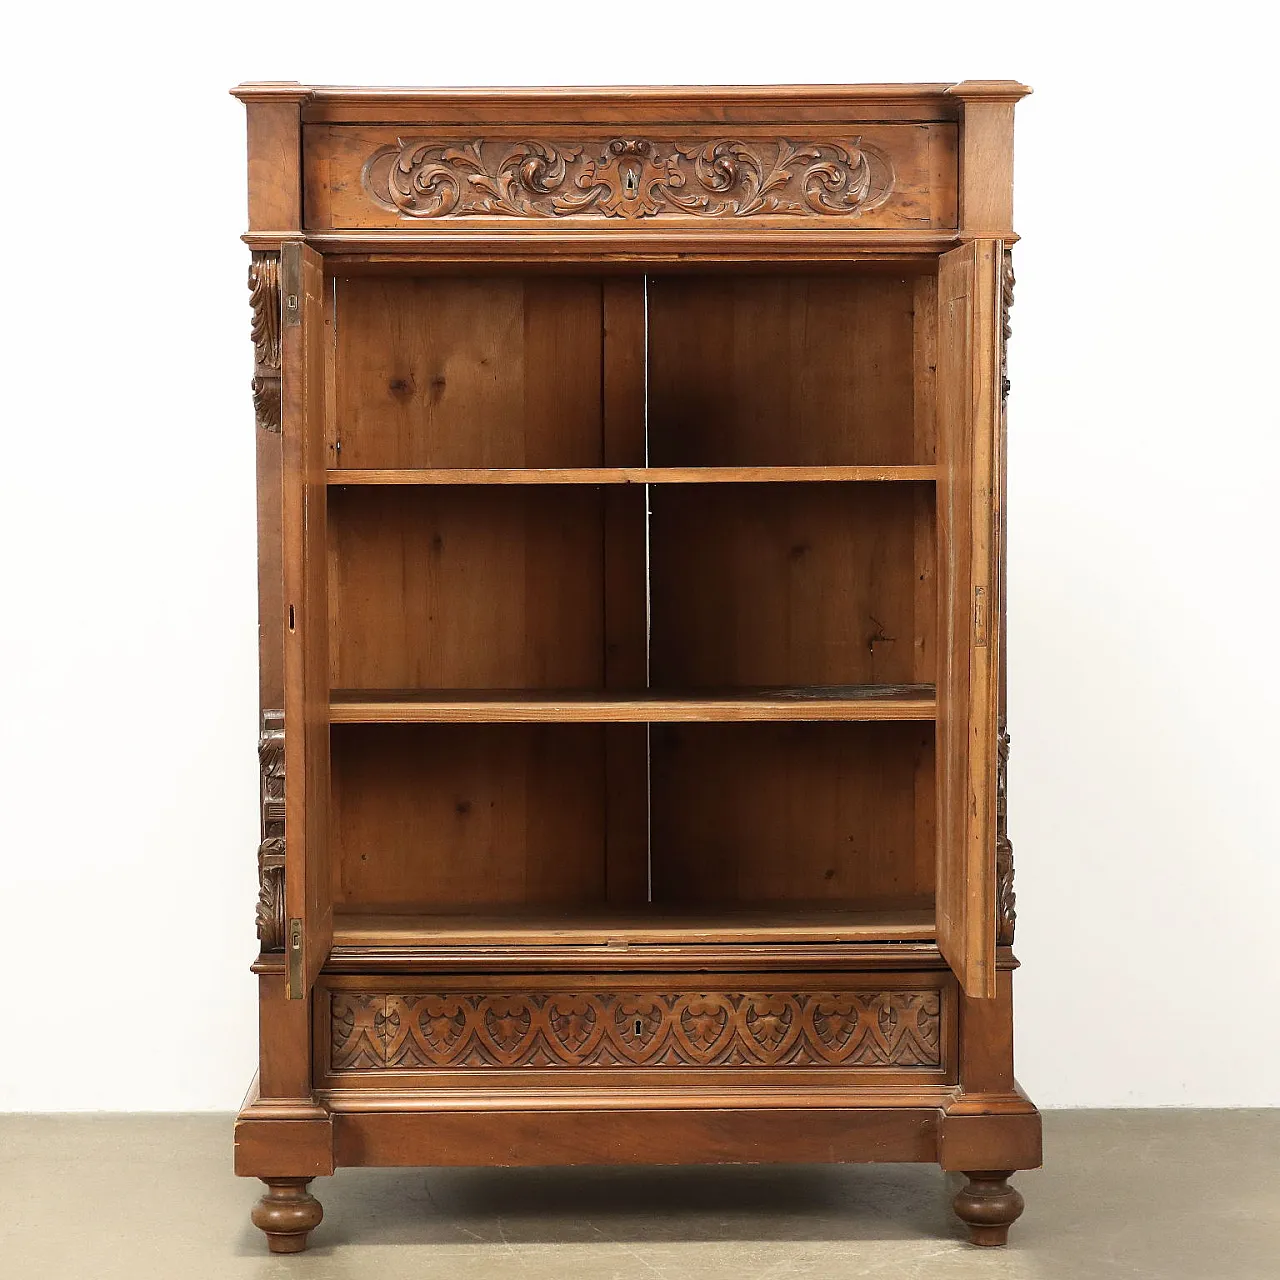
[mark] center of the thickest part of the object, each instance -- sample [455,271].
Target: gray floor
[1166,1194]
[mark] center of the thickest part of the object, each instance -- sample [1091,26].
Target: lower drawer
[425,1031]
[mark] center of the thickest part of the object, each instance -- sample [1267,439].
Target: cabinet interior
[633,603]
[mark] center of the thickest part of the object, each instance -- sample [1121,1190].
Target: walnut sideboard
[630,491]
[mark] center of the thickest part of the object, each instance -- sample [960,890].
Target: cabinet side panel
[275,166]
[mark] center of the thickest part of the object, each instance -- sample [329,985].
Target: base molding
[990,1131]
[289,1141]
[728,1136]
[959,1133]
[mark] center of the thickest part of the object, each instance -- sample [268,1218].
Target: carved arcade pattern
[636,1029]
[264,298]
[270,914]
[628,177]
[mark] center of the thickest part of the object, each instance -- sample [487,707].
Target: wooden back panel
[452,817]
[468,372]
[775,813]
[482,587]
[793,584]
[784,370]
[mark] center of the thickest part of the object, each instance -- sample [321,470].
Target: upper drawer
[877,177]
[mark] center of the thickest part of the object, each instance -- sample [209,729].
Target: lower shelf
[907,922]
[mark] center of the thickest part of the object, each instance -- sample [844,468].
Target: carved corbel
[1006,900]
[1007,281]
[264,298]
[1006,913]
[270,914]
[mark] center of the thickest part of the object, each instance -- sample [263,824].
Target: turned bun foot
[287,1214]
[988,1206]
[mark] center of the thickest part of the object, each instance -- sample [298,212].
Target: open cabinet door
[308,897]
[968,390]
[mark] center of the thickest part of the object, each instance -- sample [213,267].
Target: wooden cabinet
[630,509]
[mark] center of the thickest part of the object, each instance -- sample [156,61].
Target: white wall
[1143,613]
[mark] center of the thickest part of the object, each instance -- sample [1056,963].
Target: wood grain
[789,813]
[469,817]
[468,588]
[877,176]
[778,370]
[450,371]
[275,164]
[306,686]
[969,609]
[628,475]
[789,585]
[663,1134]
[510,706]
[653,926]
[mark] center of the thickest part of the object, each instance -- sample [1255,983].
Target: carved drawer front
[548,1027]
[872,176]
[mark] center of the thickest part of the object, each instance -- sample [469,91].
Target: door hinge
[981,615]
[291,283]
[295,959]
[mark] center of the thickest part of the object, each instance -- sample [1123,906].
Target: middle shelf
[630,475]
[516,706]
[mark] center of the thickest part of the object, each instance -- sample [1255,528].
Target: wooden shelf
[630,475]
[516,706]
[912,922]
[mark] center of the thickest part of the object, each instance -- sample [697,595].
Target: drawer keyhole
[639,1027]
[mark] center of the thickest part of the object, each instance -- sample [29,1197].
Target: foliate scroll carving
[264,298]
[636,1029]
[1006,900]
[270,914]
[628,177]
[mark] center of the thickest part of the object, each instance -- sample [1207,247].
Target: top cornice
[988,91]
[634,95]
[273,91]
[615,106]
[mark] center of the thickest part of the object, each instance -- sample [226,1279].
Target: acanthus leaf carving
[264,299]
[270,916]
[628,177]
[1006,899]
[556,1029]
[1007,281]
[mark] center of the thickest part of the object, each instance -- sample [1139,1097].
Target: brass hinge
[981,616]
[291,283]
[295,959]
